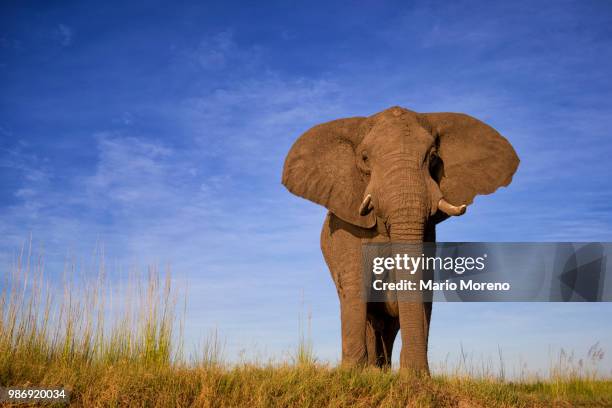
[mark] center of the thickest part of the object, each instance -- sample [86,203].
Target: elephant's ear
[476,159]
[321,167]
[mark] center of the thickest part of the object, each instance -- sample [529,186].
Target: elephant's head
[399,168]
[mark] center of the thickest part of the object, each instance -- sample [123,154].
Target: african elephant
[391,176]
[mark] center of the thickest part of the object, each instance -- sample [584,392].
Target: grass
[129,353]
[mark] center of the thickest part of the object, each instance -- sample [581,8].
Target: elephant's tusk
[450,209]
[366,205]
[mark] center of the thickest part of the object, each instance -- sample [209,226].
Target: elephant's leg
[341,246]
[389,333]
[372,341]
[381,330]
[354,329]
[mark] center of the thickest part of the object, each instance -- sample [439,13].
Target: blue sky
[160,131]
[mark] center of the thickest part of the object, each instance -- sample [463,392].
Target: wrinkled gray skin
[406,162]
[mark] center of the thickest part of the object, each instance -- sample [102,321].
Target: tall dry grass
[77,319]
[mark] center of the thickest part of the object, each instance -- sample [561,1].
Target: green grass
[127,350]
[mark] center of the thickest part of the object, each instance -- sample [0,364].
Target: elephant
[391,177]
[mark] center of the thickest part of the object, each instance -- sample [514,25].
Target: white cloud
[130,170]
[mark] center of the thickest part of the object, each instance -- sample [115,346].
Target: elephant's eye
[435,165]
[434,160]
[433,157]
[364,156]
[364,164]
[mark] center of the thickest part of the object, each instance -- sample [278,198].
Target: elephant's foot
[352,362]
[415,371]
[413,359]
[354,355]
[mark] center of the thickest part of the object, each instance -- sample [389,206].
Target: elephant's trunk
[406,231]
[414,312]
[407,209]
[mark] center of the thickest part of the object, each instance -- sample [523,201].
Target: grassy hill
[133,384]
[134,358]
